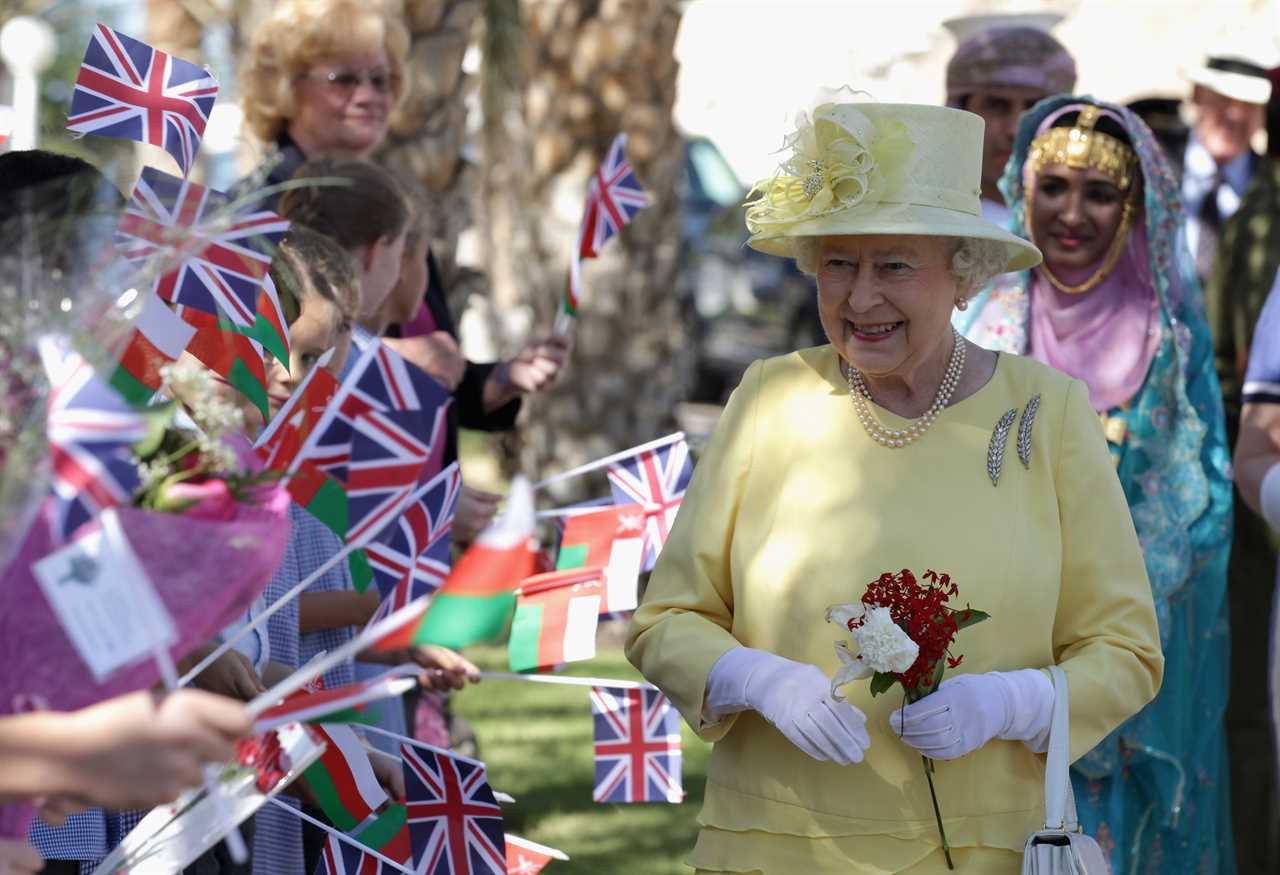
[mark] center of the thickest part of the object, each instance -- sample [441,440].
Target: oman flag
[475,601]
[159,336]
[611,541]
[388,834]
[233,357]
[269,328]
[527,858]
[555,621]
[342,779]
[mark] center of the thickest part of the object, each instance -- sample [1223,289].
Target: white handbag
[1061,848]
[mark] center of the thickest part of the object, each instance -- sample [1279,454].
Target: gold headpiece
[1082,147]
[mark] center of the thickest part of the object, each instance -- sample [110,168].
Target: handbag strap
[1059,799]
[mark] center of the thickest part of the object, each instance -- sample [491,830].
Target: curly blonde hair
[300,32]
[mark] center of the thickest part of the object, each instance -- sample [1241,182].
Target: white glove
[794,697]
[967,711]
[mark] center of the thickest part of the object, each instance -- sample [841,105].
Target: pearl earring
[962,303]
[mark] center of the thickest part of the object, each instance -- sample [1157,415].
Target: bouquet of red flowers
[904,629]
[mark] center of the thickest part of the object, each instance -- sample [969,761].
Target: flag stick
[541,849]
[570,511]
[501,797]
[301,585]
[609,460]
[390,687]
[343,837]
[236,848]
[404,739]
[567,679]
[317,667]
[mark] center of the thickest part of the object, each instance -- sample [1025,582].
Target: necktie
[1210,223]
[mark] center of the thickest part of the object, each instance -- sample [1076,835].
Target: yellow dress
[793,507]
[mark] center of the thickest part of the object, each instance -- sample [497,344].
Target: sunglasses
[347,81]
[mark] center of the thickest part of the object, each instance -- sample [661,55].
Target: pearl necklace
[894,438]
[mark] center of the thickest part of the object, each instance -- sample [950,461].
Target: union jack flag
[637,741]
[455,824]
[614,196]
[655,479]
[414,561]
[380,380]
[130,91]
[387,455]
[223,257]
[613,199]
[91,432]
[348,858]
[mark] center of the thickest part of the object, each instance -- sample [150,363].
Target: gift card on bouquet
[172,836]
[104,600]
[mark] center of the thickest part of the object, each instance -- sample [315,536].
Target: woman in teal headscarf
[1117,304]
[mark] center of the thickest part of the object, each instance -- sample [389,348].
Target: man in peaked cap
[1002,66]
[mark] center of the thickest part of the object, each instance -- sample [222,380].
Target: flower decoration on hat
[839,160]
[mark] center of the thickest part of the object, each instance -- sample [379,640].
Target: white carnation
[882,644]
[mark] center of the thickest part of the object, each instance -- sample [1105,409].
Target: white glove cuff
[1029,695]
[1270,497]
[727,682]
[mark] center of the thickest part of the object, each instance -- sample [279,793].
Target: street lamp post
[28,47]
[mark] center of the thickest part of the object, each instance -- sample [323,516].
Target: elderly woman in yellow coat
[892,447]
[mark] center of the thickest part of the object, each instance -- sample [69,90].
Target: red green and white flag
[610,540]
[342,779]
[344,704]
[556,618]
[476,600]
[159,336]
[232,356]
[269,327]
[528,858]
[388,834]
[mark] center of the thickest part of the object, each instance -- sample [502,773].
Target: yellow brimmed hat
[879,168]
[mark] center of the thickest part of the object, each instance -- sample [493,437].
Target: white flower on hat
[882,644]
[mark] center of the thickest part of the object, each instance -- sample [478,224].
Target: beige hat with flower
[879,168]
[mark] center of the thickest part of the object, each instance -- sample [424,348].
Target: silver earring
[962,303]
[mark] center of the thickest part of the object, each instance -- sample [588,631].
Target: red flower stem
[937,812]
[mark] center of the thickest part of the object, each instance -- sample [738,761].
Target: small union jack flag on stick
[637,741]
[414,561]
[656,479]
[455,824]
[219,259]
[614,196]
[91,432]
[129,91]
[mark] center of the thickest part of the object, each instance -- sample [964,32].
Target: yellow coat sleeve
[684,622]
[1105,634]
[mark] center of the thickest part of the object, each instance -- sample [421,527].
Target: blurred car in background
[740,304]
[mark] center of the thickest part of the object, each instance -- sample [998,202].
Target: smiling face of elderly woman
[885,300]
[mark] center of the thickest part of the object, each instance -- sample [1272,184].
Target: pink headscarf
[1107,336]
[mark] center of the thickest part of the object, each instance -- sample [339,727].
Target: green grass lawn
[536,740]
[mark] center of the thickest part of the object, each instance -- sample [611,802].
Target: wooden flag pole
[609,460]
